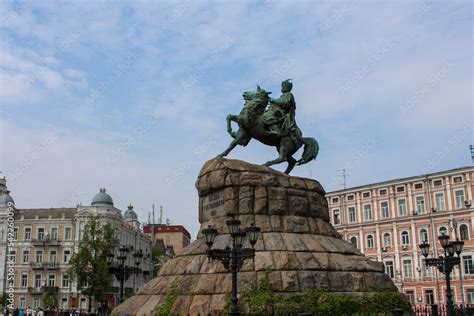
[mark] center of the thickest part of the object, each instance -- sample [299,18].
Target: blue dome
[102,198]
[5,199]
[130,213]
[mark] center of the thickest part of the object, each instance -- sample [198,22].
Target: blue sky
[132,96]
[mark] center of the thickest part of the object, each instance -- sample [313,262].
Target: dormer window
[457,179]
[437,183]
[419,186]
[401,188]
[350,197]
[383,192]
[335,200]
[366,194]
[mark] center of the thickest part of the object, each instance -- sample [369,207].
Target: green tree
[158,258]
[3,299]
[50,300]
[89,265]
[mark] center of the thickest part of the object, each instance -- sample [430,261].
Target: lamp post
[120,270]
[233,258]
[445,264]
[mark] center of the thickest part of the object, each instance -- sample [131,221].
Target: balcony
[52,265]
[38,242]
[52,242]
[37,265]
[35,290]
[53,289]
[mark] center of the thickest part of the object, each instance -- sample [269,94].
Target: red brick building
[173,237]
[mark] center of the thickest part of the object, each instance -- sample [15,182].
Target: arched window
[443,230]
[354,241]
[387,242]
[424,235]
[370,241]
[405,238]
[464,232]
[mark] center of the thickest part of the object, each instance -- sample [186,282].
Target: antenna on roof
[344,176]
[471,147]
[161,214]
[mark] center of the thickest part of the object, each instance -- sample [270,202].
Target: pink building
[388,220]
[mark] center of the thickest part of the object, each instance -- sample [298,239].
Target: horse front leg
[229,149]
[229,120]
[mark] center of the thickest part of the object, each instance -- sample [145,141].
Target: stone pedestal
[297,243]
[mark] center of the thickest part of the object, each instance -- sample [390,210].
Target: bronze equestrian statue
[275,126]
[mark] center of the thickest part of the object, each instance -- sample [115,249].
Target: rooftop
[45,213]
[406,179]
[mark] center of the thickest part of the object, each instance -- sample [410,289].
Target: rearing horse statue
[252,125]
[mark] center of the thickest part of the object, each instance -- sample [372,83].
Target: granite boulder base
[297,243]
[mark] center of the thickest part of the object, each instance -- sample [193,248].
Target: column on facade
[361,239]
[448,193]
[415,249]
[378,243]
[393,208]
[411,207]
[375,209]
[359,209]
[395,243]
[468,187]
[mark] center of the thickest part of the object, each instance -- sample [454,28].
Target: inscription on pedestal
[213,204]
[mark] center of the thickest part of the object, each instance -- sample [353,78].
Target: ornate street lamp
[445,264]
[121,271]
[233,258]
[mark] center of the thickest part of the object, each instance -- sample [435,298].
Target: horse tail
[311,149]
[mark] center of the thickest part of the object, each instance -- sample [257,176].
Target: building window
[36,303]
[352,214]
[419,186]
[470,296]
[28,233]
[405,238]
[39,256]
[389,268]
[457,179]
[38,281]
[402,207]
[439,199]
[426,270]
[459,194]
[15,233]
[370,241]
[54,233]
[336,216]
[65,282]
[420,204]
[407,270]
[24,280]
[40,234]
[468,266]
[52,280]
[354,241]
[13,255]
[1,232]
[350,197]
[387,240]
[335,200]
[384,209]
[22,302]
[437,183]
[52,258]
[366,194]
[383,192]
[429,297]
[67,256]
[464,232]
[410,296]
[368,212]
[401,189]
[26,256]
[443,230]
[67,233]
[424,235]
